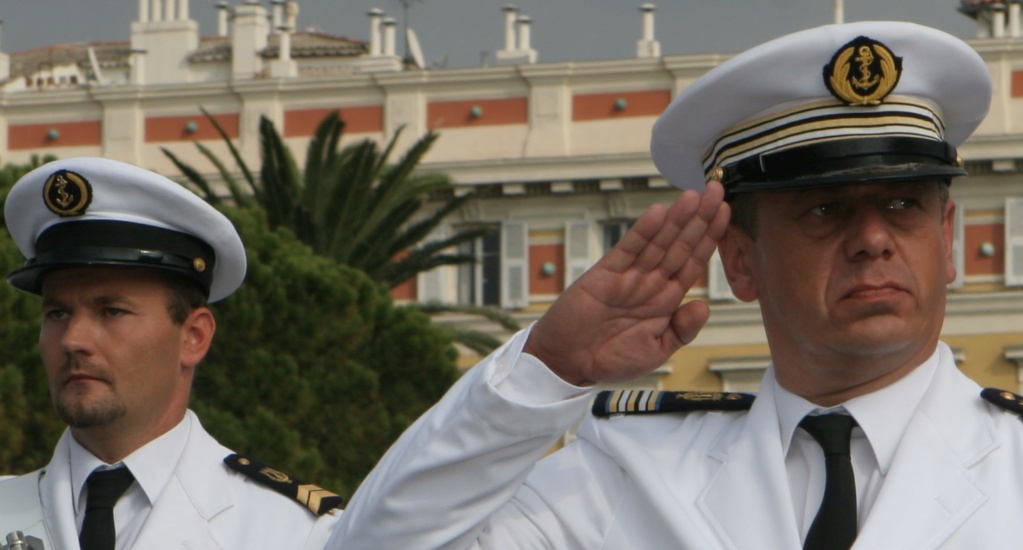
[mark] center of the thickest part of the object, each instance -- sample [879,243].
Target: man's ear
[948,228]
[196,336]
[736,249]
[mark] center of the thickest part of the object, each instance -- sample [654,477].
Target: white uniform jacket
[463,477]
[205,505]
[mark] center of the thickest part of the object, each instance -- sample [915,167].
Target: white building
[558,152]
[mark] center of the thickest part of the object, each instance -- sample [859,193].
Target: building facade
[556,152]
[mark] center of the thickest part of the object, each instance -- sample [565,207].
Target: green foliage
[313,369]
[29,428]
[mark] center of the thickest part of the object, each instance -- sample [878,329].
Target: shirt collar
[883,415]
[152,464]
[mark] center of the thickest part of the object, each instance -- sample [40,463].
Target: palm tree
[353,206]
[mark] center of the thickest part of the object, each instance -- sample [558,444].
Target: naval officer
[125,261]
[820,164]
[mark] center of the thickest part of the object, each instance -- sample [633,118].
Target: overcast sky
[458,32]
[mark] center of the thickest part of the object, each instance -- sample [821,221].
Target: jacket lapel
[751,485]
[928,493]
[192,498]
[55,493]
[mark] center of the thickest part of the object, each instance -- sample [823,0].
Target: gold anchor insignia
[877,72]
[63,197]
[700,396]
[67,193]
[275,475]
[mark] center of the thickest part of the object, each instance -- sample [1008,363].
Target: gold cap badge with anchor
[67,193]
[863,72]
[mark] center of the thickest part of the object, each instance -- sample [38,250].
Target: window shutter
[717,281]
[430,285]
[1014,241]
[579,247]
[514,265]
[958,249]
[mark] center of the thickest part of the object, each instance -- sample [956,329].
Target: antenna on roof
[414,50]
[406,4]
[95,66]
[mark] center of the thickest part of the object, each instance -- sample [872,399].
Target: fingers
[686,323]
[696,265]
[669,240]
[643,232]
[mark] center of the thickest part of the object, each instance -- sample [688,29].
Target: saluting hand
[622,318]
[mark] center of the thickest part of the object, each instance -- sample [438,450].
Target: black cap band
[844,161]
[116,244]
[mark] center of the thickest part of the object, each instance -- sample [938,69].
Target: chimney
[510,14]
[284,66]
[524,22]
[163,29]
[137,61]
[998,21]
[1014,19]
[248,40]
[375,16]
[389,36]
[647,46]
[517,48]
[277,6]
[222,12]
[5,61]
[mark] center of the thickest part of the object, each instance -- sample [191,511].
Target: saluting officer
[125,261]
[831,152]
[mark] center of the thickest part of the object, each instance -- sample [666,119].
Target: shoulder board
[612,402]
[1003,399]
[319,501]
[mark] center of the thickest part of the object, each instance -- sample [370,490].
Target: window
[500,275]
[614,230]
[479,282]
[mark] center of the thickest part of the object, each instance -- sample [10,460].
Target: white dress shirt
[881,418]
[152,465]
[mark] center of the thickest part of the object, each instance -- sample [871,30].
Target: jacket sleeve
[465,458]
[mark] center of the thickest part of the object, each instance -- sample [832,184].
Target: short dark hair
[183,297]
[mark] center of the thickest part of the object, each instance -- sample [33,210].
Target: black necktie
[104,488]
[834,528]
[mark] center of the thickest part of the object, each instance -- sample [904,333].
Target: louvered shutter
[431,285]
[579,247]
[1014,242]
[514,265]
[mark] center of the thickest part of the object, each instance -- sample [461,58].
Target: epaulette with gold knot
[613,402]
[1004,399]
[318,500]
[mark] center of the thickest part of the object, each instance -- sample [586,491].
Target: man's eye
[899,204]
[113,312]
[55,314]
[827,209]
